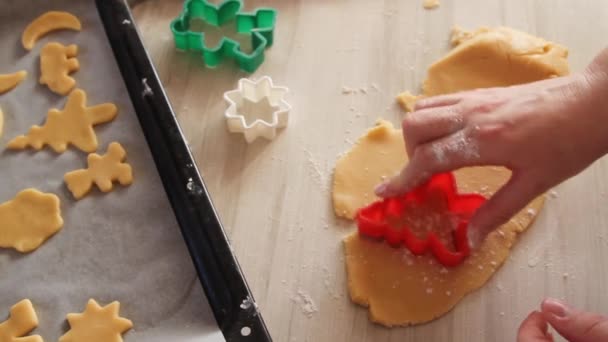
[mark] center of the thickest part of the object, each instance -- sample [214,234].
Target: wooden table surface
[273,197]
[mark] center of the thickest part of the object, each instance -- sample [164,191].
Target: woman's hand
[544,132]
[573,325]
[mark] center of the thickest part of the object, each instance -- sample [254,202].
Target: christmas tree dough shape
[491,57]
[21,321]
[56,63]
[46,23]
[102,171]
[97,324]
[399,288]
[10,81]
[73,125]
[29,219]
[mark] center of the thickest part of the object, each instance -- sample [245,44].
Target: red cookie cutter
[374,220]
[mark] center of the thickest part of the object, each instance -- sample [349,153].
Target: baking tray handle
[219,272]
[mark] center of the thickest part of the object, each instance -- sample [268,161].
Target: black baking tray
[218,270]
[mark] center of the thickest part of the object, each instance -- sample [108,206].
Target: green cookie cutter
[260,24]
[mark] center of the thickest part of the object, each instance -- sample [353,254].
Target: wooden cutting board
[273,197]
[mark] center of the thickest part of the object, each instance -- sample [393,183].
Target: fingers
[534,329]
[575,325]
[503,205]
[423,126]
[438,101]
[446,154]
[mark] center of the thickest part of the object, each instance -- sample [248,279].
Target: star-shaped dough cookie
[22,320]
[102,171]
[97,324]
[72,125]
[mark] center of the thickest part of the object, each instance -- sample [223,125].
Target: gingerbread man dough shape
[97,324]
[73,125]
[102,171]
[28,220]
[22,320]
[56,63]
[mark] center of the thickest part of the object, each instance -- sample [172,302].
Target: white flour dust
[459,145]
[307,305]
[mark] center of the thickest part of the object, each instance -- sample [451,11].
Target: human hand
[544,132]
[572,324]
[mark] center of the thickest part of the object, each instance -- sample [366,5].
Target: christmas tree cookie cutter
[259,24]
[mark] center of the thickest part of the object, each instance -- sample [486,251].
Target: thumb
[575,325]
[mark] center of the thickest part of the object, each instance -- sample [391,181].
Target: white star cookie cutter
[255,95]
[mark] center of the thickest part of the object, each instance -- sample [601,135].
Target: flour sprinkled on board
[307,305]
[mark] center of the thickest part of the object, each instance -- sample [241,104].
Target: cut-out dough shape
[56,63]
[21,321]
[9,81]
[48,22]
[399,288]
[73,125]
[29,219]
[97,324]
[102,171]
[491,57]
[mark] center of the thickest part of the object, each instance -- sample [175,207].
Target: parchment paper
[124,245]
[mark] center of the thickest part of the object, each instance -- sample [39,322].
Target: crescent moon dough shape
[10,81]
[48,22]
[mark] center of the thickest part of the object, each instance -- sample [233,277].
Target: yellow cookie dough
[430,4]
[399,288]
[29,219]
[493,57]
[402,289]
[22,320]
[102,171]
[56,63]
[48,22]
[10,81]
[97,324]
[355,175]
[73,125]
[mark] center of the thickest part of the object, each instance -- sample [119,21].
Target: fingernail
[381,189]
[473,236]
[555,308]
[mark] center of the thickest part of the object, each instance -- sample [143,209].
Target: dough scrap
[493,57]
[48,22]
[399,288]
[97,324]
[56,63]
[22,320]
[430,4]
[29,219]
[102,171]
[9,81]
[73,125]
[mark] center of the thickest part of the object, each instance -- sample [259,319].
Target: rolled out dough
[491,57]
[402,289]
